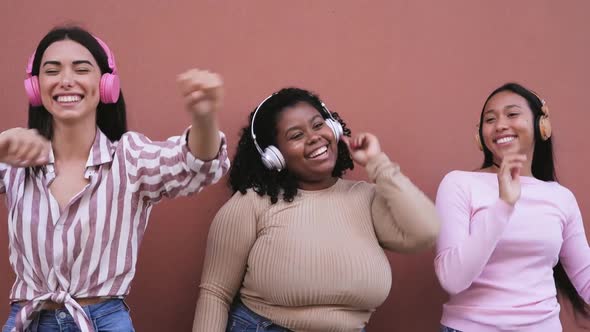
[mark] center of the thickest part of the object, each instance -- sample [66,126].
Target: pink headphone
[109,82]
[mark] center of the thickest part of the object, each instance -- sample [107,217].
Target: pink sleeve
[575,253]
[464,247]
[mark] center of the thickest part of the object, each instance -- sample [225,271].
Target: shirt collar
[101,152]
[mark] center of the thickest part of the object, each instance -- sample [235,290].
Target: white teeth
[505,140]
[69,99]
[318,152]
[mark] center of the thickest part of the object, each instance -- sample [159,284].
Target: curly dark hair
[247,169]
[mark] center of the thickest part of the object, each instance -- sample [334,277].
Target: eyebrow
[511,106]
[77,62]
[297,127]
[506,108]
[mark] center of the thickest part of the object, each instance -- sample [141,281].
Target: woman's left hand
[363,147]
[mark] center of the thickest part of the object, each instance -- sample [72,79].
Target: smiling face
[308,145]
[508,126]
[69,80]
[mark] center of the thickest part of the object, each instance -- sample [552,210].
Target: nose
[502,123]
[313,137]
[67,79]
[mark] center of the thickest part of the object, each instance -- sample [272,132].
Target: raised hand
[509,177]
[363,147]
[202,91]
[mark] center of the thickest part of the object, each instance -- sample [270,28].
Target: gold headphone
[544,124]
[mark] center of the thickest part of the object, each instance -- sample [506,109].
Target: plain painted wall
[413,72]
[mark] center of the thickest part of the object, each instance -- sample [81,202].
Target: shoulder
[465,179]
[134,138]
[559,191]
[250,200]
[355,186]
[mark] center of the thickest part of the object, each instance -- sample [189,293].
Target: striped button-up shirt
[90,248]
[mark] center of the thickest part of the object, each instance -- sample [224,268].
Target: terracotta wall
[413,72]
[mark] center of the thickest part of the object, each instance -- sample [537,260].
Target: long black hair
[248,171]
[543,168]
[110,118]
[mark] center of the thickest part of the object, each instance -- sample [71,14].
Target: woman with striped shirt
[80,188]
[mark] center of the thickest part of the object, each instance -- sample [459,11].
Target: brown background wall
[414,72]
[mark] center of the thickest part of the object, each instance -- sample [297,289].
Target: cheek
[291,151]
[528,127]
[93,86]
[487,136]
[46,84]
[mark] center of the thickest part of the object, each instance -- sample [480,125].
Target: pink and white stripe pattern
[90,248]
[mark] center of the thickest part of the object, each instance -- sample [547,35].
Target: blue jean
[107,316]
[447,329]
[242,319]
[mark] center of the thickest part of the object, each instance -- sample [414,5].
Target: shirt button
[62,315]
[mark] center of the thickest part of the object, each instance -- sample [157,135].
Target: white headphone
[271,156]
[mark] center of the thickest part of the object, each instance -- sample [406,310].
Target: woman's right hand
[20,147]
[509,177]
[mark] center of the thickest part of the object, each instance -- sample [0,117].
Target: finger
[13,146]
[189,86]
[515,157]
[42,152]
[32,153]
[359,141]
[215,81]
[43,157]
[513,164]
[515,172]
[4,141]
[195,97]
[512,170]
[346,142]
[23,150]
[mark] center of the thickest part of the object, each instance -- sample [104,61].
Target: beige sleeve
[231,236]
[404,218]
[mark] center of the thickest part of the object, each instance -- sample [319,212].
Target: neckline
[315,192]
[523,178]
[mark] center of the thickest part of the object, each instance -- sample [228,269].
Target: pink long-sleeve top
[496,260]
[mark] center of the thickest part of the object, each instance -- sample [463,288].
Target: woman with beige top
[297,247]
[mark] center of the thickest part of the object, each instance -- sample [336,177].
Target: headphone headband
[110,57]
[109,82]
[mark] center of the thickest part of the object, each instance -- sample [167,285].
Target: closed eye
[318,125]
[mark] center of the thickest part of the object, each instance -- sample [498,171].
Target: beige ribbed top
[317,263]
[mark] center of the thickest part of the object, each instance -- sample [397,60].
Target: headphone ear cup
[336,128]
[478,142]
[110,87]
[32,91]
[273,159]
[545,127]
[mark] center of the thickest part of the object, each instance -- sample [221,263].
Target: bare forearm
[203,139]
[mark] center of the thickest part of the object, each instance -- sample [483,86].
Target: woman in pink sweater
[511,235]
